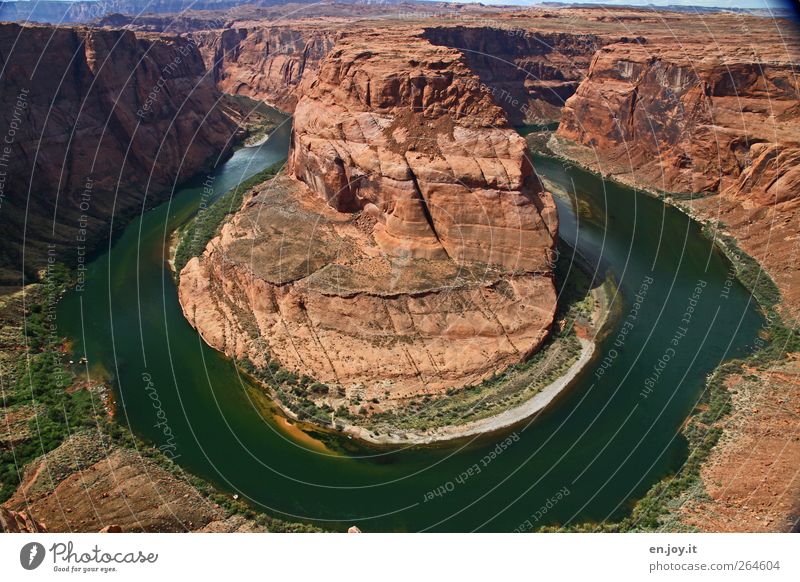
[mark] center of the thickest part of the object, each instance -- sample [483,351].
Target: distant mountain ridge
[82,11]
[60,11]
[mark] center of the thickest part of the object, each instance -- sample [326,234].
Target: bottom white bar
[389,557]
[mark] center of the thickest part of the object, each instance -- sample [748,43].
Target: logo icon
[31,555]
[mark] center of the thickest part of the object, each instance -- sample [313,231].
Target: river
[588,457]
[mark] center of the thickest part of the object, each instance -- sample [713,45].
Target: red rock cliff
[265,62]
[101,122]
[411,132]
[688,120]
[718,122]
[531,73]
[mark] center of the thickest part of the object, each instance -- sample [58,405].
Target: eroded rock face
[19,522]
[531,73]
[720,123]
[262,62]
[291,279]
[691,119]
[81,148]
[410,133]
[85,485]
[409,252]
[267,56]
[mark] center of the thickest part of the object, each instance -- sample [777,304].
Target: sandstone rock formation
[19,522]
[530,73]
[717,124]
[266,63]
[100,124]
[410,130]
[531,60]
[684,120]
[414,253]
[714,115]
[86,485]
[368,273]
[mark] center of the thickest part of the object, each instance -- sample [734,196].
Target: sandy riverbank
[505,419]
[512,416]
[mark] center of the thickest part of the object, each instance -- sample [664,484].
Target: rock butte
[277,63]
[704,104]
[408,251]
[718,89]
[358,144]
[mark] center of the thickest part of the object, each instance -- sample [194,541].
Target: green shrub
[207,224]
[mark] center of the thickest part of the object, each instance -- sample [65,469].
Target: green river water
[601,445]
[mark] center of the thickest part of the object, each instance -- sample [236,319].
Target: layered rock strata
[97,124]
[265,62]
[530,73]
[719,126]
[411,134]
[410,251]
[690,121]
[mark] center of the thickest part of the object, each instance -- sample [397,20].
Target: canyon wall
[687,121]
[718,126]
[530,73]
[410,250]
[97,124]
[266,53]
[265,62]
